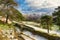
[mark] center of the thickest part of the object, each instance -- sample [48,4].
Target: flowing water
[36,37]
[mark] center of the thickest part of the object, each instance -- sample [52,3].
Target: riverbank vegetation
[50,22]
[46,35]
[10,16]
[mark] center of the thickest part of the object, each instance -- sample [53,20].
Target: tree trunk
[47,28]
[7,18]
[7,15]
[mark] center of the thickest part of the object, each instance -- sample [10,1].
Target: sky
[37,6]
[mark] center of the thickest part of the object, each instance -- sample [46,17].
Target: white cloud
[43,3]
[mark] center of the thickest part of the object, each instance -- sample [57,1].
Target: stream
[30,34]
[36,37]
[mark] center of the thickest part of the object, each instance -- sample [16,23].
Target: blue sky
[37,6]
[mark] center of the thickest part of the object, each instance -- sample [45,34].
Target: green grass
[55,27]
[6,26]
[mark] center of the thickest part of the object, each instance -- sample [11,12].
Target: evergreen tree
[46,21]
[56,16]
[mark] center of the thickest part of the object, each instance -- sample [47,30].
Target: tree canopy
[7,10]
[56,16]
[46,21]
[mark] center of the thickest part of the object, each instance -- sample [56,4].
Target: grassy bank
[6,26]
[5,32]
